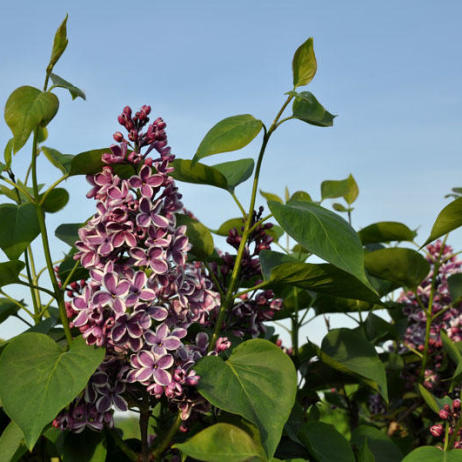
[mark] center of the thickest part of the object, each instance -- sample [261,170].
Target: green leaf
[33,396]
[339,207]
[365,454]
[18,228]
[325,443]
[257,382]
[300,196]
[429,399]
[271,197]
[198,173]
[432,454]
[61,161]
[10,441]
[449,219]
[223,442]
[26,109]
[235,172]
[7,308]
[88,162]
[349,352]
[386,231]
[230,134]
[8,152]
[66,267]
[55,200]
[403,266]
[59,44]
[455,287]
[42,134]
[381,446]
[304,64]
[228,225]
[347,188]
[9,272]
[68,233]
[323,233]
[325,303]
[87,446]
[60,82]
[198,234]
[324,278]
[308,109]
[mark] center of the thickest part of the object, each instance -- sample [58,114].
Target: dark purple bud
[118,137]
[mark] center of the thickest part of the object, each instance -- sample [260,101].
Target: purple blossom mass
[142,295]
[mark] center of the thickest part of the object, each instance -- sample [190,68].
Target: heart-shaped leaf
[257,382]
[432,454]
[26,109]
[39,378]
[7,309]
[323,233]
[325,443]
[308,109]
[324,278]
[230,134]
[55,200]
[349,352]
[304,64]
[449,219]
[386,231]
[18,228]
[405,267]
[61,161]
[235,172]
[223,442]
[10,441]
[9,272]
[68,233]
[381,445]
[198,173]
[347,188]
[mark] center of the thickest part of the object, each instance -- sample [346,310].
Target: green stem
[120,443]
[34,274]
[144,422]
[163,444]
[11,299]
[58,293]
[33,286]
[295,324]
[229,297]
[238,202]
[19,187]
[259,222]
[53,186]
[214,279]
[258,286]
[23,320]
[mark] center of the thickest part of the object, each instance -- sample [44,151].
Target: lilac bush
[147,321]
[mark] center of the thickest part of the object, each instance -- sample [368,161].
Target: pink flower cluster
[448,318]
[142,294]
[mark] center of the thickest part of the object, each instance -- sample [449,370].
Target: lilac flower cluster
[247,316]
[451,415]
[449,318]
[142,294]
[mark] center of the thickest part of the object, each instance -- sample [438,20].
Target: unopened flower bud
[456,404]
[443,414]
[118,137]
[436,430]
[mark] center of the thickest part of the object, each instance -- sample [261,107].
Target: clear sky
[392,71]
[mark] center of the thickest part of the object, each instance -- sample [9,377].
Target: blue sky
[391,71]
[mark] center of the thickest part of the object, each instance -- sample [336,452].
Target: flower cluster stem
[229,297]
[163,444]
